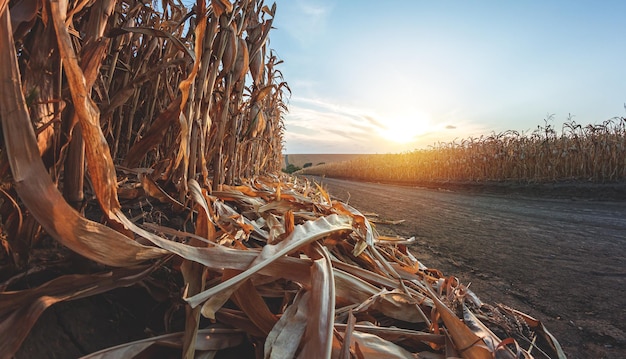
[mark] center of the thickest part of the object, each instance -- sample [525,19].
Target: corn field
[594,153]
[141,145]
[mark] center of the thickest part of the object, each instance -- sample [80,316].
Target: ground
[555,252]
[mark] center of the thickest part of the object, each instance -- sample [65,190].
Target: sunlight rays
[406,128]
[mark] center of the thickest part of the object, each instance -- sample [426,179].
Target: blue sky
[391,76]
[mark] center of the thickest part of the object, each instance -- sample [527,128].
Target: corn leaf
[367,345]
[285,337]
[209,339]
[318,338]
[302,235]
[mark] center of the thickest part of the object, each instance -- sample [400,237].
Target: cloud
[310,8]
[374,122]
[314,125]
[305,21]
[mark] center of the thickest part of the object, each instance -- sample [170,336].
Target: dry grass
[595,153]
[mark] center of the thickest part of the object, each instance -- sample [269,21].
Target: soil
[555,252]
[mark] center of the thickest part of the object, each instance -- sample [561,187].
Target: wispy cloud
[313,9]
[374,121]
[306,21]
[314,123]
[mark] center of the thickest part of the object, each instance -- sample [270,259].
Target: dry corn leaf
[396,334]
[220,257]
[367,345]
[99,160]
[490,339]
[285,337]
[352,290]
[539,329]
[209,339]
[152,189]
[302,235]
[261,93]
[394,304]
[221,7]
[318,338]
[154,135]
[238,319]
[156,33]
[465,342]
[362,226]
[250,301]
[194,273]
[23,13]
[347,336]
[387,221]
[4,5]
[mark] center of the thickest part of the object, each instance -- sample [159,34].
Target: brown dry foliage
[109,108]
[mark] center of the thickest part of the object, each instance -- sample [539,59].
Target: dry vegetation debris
[276,262]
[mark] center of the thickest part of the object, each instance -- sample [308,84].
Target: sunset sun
[405,128]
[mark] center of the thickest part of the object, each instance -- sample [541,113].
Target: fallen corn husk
[385,288]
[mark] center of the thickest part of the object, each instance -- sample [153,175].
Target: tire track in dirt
[563,261]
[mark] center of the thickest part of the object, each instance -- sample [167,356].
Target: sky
[394,76]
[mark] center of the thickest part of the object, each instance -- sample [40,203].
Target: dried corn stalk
[98,84]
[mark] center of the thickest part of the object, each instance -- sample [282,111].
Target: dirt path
[560,260]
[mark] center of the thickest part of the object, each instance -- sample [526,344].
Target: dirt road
[560,260]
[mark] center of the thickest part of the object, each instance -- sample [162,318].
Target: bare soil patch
[556,252]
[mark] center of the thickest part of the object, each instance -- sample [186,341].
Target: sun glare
[406,128]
